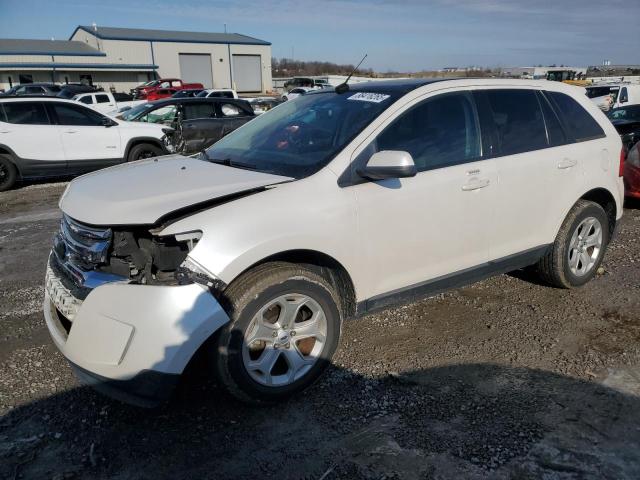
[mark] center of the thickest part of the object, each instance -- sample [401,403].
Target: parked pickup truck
[104,102]
[142,91]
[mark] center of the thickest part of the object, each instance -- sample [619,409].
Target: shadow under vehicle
[471,421]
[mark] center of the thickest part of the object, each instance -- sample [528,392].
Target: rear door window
[518,121]
[555,132]
[198,110]
[579,123]
[102,98]
[439,132]
[86,100]
[77,116]
[26,113]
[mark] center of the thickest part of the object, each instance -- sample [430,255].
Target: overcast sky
[407,36]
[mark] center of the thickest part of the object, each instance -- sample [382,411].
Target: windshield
[130,114]
[625,113]
[299,137]
[151,83]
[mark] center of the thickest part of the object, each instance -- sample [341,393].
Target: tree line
[286,67]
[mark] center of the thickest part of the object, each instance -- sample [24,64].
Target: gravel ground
[506,378]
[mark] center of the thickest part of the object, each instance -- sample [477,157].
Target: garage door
[247,73]
[196,68]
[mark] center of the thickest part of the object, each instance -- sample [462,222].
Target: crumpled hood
[144,191]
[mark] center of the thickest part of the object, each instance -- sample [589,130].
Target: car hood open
[142,192]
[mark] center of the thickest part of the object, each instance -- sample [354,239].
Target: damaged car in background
[197,122]
[254,252]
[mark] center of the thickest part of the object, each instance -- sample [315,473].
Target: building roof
[79,66]
[114,33]
[20,46]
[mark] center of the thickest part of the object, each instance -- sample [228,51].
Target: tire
[142,151]
[556,267]
[258,371]
[8,173]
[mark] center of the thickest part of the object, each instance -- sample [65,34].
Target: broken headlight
[191,271]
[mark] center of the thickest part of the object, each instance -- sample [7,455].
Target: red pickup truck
[141,92]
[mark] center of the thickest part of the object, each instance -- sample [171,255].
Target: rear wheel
[579,247]
[284,329]
[8,173]
[142,151]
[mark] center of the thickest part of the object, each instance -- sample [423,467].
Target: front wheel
[142,151]
[284,329]
[579,247]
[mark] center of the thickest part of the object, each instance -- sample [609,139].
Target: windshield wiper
[227,162]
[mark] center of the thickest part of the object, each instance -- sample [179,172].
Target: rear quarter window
[580,124]
[230,110]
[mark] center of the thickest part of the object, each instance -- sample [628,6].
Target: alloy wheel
[585,246]
[284,340]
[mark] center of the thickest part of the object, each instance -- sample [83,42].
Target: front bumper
[131,339]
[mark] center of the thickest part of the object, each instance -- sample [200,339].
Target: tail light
[621,168]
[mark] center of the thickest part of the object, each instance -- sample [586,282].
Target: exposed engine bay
[91,255]
[144,258]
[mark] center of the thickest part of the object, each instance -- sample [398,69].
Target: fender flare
[584,195]
[137,140]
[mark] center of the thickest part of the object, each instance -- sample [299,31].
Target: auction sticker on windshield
[369,97]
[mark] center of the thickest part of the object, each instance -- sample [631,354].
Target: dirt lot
[503,379]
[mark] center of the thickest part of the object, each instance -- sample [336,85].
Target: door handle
[476,184]
[5,131]
[70,131]
[567,163]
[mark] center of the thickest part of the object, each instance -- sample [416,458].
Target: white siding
[265,60]
[168,60]
[125,52]
[118,51]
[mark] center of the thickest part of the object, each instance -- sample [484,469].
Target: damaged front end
[84,257]
[128,308]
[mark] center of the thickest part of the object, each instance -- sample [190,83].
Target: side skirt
[450,281]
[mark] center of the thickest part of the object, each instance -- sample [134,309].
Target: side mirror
[107,122]
[388,164]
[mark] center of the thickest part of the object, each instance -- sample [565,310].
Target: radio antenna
[344,86]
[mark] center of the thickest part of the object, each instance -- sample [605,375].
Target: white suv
[46,137]
[340,203]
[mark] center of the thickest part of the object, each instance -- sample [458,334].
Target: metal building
[121,58]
